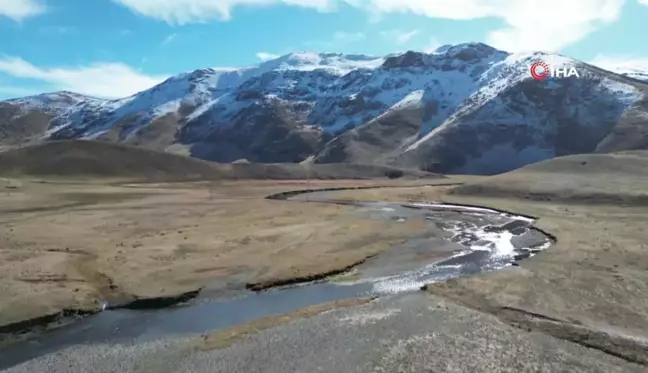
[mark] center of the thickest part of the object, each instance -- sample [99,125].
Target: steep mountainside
[463,108]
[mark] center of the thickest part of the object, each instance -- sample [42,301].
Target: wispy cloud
[169,39]
[21,9]
[101,79]
[523,25]
[264,56]
[179,12]
[432,45]
[399,36]
[124,32]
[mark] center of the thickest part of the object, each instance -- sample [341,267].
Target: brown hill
[101,159]
[82,158]
[620,178]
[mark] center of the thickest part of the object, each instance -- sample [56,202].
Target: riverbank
[74,248]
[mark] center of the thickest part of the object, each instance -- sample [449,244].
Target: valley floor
[581,306]
[79,245]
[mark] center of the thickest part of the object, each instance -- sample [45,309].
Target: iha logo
[541,71]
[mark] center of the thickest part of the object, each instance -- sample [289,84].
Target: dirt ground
[67,245]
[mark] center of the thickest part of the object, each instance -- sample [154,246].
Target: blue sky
[113,48]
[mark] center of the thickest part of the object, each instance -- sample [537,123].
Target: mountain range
[466,108]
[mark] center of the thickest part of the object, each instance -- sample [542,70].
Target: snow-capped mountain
[463,108]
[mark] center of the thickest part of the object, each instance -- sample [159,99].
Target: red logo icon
[539,70]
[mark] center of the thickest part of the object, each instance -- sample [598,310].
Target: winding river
[468,240]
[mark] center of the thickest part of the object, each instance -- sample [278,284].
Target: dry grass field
[73,245]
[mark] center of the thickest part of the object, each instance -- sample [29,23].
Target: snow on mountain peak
[457,50]
[54,102]
[339,63]
[300,59]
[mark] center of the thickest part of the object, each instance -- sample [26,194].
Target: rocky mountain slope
[463,108]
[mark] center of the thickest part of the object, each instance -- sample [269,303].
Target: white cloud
[169,39]
[643,2]
[102,79]
[400,36]
[200,11]
[530,24]
[620,63]
[263,56]
[21,9]
[403,38]
[432,45]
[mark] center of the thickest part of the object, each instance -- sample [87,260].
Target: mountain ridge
[437,111]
